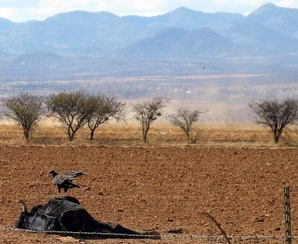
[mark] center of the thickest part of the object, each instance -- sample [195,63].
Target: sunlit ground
[51,132]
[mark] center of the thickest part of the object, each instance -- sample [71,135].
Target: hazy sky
[22,10]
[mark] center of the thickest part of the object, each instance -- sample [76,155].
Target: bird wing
[60,179]
[74,173]
[69,184]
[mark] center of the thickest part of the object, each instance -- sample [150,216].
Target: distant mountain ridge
[282,19]
[73,32]
[67,41]
[85,33]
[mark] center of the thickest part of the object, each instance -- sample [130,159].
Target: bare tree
[25,109]
[277,115]
[147,112]
[102,109]
[70,108]
[187,121]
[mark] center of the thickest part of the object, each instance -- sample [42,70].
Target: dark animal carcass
[65,214]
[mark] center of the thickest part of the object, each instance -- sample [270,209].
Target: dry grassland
[160,134]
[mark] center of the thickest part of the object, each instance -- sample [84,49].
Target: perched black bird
[64,181]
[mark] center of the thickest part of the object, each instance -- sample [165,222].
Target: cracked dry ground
[159,188]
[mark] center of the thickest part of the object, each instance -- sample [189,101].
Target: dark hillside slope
[179,43]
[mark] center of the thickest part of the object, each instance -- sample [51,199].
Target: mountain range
[86,43]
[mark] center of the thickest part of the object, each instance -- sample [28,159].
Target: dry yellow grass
[165,134]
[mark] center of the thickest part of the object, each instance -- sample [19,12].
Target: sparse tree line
[76,109]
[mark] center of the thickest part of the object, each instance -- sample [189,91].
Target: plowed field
[161,188]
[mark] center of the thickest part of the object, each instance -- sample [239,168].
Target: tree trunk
[145,136]
[91,135]
[71,135]
[27,135]
[276,138]
[188,137]
[144,132]
[277,135]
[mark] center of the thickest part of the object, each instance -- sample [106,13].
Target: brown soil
[159,188]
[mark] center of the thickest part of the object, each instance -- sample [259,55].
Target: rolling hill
[84,44]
